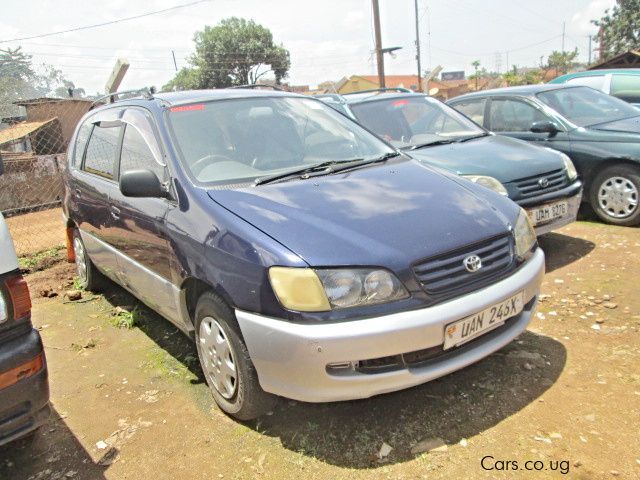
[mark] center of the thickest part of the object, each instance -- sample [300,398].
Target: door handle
[78,192]
[115,213]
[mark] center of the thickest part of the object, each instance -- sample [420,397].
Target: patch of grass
[41,260]
[127,320]
[77,285]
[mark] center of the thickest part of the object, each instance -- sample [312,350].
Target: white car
[24,385]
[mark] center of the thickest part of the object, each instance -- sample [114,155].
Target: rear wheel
[88,275]
[226,363]
[615,195]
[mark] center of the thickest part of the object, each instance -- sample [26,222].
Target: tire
[223,355]
[615,195]
[89,276]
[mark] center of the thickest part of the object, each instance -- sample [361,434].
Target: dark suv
[542,181]
[306,257]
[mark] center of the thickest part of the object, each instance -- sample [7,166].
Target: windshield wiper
[324,168]
[444,141]
[472,137]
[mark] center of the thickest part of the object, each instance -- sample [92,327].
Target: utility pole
[378,37]
[589,50]
[418,49]
[563,25]
[175,64]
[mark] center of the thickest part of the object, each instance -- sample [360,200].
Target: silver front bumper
[570,217]
[291,359]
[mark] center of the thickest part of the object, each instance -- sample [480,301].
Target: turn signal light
[20,298]
[21,372]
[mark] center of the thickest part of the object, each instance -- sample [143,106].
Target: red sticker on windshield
[397,103]
[187,108]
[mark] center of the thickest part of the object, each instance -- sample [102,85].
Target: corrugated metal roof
[20,130]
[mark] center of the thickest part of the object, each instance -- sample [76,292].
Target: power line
[86,27]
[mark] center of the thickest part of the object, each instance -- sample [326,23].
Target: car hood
[626,125]
[506,159]
[385,215]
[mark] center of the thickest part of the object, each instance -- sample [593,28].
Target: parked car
[305,257]
[543,181]
[623,83]
[600,133]
[24,386]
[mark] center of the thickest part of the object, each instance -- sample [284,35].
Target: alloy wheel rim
[618,197]
[217,357]
[81,261]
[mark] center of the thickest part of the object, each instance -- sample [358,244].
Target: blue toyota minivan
[306,257]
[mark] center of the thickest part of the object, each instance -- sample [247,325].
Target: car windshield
[241,140]
[584,106]
[416,120]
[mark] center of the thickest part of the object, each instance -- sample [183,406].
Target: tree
[234,52]
[620,28]
[19,80]
[476,64]
[562,61]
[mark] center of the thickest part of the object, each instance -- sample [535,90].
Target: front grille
[445,275]
[536,185]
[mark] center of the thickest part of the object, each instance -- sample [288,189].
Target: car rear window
[626,87]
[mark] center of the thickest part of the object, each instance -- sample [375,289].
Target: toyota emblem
[543,182]
[472,263]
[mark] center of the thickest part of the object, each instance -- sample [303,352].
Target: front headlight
[489,182]
[572,173]
[524,234]
[308,290]
[4,315]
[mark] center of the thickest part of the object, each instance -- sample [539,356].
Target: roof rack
[378,90]
[146,92]
[258,85]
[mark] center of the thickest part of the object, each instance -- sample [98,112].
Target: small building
[38,138]
[630,59]
[68,112]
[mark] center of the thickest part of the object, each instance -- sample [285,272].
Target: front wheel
[226,363]
[88,275]
[615,194]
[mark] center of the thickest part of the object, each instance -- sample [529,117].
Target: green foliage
[620,28]
[127,320]
[562,61]
[234,52]
[41,260]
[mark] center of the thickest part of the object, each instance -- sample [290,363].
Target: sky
[327,39]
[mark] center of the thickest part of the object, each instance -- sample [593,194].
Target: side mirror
[141,183]
[545,126]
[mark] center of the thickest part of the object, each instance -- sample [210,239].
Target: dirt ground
[132,404]
[37,231]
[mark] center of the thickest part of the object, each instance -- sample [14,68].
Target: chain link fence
[33,147]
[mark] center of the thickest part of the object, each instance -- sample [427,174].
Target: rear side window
[102,151]
[81,142]
[513,115]
[595,81]
[136,154]
[626,87]
[474,109]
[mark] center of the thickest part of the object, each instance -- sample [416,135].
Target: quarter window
[474,109]
[136,154]
[102,151]
[508,115]
[81,142]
